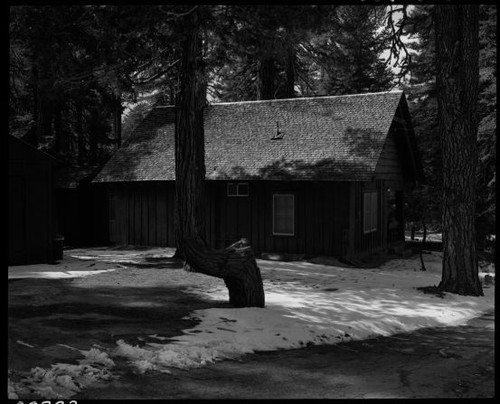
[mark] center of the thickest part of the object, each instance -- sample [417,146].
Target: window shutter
[374,211]
[370,212]
[366,212]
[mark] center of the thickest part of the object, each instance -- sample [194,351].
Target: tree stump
[235,264]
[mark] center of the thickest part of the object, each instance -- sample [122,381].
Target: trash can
[58,246]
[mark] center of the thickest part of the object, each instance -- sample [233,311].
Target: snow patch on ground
[306,304]
[309,304]
[62,380]
[69,267]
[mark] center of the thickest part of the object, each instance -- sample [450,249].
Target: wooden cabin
[30,211]
[314,176]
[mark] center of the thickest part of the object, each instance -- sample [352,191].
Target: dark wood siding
[375,241]
[328,216]
[141,214]
[320,219]
[31,228]
[389,165]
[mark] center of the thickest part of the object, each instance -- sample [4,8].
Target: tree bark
[79,131]
[44,118]
[93,146]
[117,119]
[457,60]
[236,264]
[265,82]
[290,72]
[43,85]
[59,141]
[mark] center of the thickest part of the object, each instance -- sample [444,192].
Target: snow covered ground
[306,304]
[69,267]
[419,234]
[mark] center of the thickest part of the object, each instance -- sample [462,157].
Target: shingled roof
[323,138]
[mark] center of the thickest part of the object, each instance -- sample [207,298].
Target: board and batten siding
[320,219]
[389,166]
[143,214]
[364,243]
[328,216]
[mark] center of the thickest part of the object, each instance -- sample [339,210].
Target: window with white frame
[283,214]
[237,189]
[370,211]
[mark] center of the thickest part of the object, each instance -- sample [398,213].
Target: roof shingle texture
[324,138]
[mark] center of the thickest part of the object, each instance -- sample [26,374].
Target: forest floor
[131,323]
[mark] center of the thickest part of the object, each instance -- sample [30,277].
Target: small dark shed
[321,175]
[31,233]
[80,207]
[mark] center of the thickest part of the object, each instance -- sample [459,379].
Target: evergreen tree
[264,46]
[349,53]
[79,64]
[457,63]
[486,178]
[425,200]
[236,265]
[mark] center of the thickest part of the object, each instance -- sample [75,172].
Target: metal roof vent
[279,134]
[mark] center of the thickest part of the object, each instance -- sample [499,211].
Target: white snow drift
[306,304]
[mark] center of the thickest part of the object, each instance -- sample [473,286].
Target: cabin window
[237,189]
[370,212]
[283,215]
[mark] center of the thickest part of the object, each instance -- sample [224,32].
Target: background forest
[82,77]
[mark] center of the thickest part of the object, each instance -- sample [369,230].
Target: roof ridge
[309,98]
[296,99]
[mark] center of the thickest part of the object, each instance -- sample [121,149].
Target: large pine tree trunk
[44,108]
[266,73]
[457,50]
[290,72]
[44,116]
[117,119]
[59,141]
[79,131]
[237,266]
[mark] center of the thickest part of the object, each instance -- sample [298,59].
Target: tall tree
[424,201]
[263,45]
[457,62]
[346,57]
[236,265]
[487,133]
[79,64]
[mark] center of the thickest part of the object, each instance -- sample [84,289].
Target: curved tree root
[236,265]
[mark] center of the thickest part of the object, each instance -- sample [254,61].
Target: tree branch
[155,76]
[397,30]
[149,62]
[177,15]
[396,41]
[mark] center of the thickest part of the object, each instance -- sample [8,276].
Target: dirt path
[453,362]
